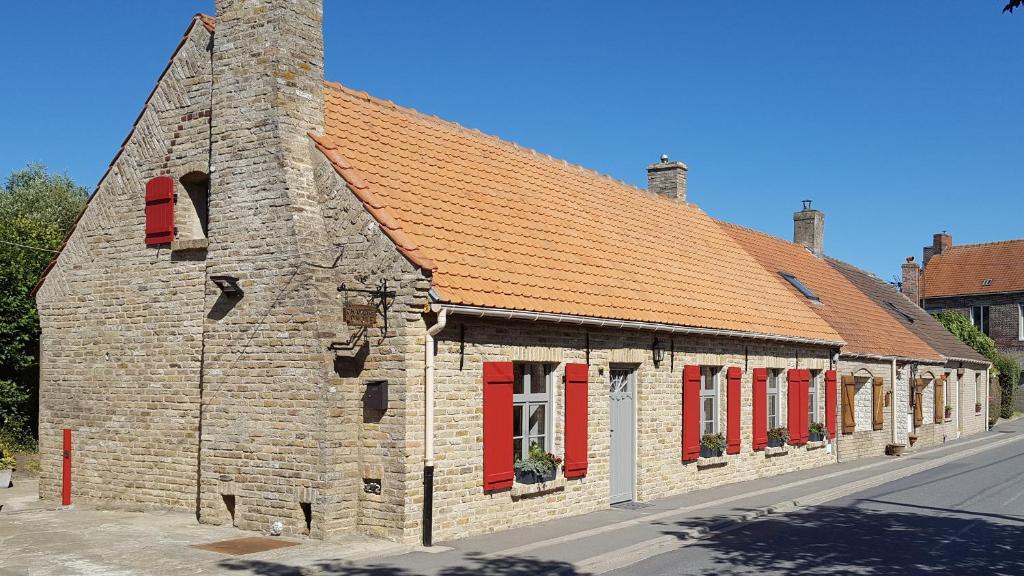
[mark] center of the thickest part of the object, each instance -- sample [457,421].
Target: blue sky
[900,119]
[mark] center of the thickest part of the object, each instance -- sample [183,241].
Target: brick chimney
[940,243]
[809,229]
[911,280]
[667,178]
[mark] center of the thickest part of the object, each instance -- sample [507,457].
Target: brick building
[984,282]
[289,300]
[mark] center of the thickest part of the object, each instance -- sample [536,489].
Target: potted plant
[816,432]
[6,468]
[712,445]
[777,437]
[949,411]
[977,408]
[539,466]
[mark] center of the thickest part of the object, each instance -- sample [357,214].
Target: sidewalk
[81,541]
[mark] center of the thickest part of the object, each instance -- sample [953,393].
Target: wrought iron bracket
[381,297]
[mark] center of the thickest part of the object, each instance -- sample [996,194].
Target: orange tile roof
[501,226]
[866,328]
[962,269]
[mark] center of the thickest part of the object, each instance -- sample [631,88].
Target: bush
[968,333]
[1009,377]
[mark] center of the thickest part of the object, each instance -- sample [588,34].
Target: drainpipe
[892,394]
[428,427]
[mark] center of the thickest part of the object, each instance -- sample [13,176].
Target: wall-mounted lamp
[960,371]
[657,352]
[228,286]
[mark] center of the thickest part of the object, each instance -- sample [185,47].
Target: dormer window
[896,309]
[986,282]
[800,286]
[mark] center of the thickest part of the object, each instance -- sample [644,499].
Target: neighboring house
[985,282]
[964,374]
[288,300]
[881,357]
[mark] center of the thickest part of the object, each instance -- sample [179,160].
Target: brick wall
[1004,317]
[864,441]
[461,506]
[122,322]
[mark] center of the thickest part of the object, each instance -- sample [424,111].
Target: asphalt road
[965,517]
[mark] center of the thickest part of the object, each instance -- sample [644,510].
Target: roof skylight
[800,286]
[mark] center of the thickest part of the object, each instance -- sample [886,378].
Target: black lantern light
[657,352]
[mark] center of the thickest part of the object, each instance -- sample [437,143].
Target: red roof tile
[964,270]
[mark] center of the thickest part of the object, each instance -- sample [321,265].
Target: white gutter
[507,314]
[428,385]
[892,388]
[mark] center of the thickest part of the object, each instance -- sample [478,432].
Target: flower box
[554,483]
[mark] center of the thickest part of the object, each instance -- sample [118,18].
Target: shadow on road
[471,565]
[826,540]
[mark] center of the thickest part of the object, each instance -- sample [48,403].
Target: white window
[773,399]
[709,400]
[1020,321]
[531,408]
[979,317]
[933,310]
[812,397]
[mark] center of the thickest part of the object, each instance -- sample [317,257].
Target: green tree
[1006,368]
[36,211]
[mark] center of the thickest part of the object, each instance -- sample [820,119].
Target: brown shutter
[849,393]
[877,405]
[940,400]
[919,402]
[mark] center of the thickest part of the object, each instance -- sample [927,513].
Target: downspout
[428,426]
[892,395]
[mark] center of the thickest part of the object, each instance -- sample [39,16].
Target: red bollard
[66,489]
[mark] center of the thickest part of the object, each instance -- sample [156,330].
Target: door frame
[633,370]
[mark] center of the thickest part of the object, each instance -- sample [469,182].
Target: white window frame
[709,374]
[812,398]
[982,323]
[528,400]
[773,399]
[1020,321]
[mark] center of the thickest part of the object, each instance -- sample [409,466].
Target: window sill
[712,461]
[949,420]
[527,490]
[771,451]
[816,444]
[189,245]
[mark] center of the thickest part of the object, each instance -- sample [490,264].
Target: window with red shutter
[732,429]
[497,395]
[576,394]
[760,416]
[830,403]
[805,396]
[691,413]
[160,211]
[794,391]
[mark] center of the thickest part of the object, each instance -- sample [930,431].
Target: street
[955,509]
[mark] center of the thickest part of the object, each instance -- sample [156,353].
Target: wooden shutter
[830,403]
[732,377]
[793,393]
[576,394]
[498,457]
[691,413]
[849,395]
[877,405]
[760,416]
[805,398]
[919,401]
[940,400]
[160,210]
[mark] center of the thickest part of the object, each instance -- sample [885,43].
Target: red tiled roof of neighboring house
[501,226]
[907,313]
[867,329]
[968,268]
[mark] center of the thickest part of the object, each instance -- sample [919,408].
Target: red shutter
[732,398]
[575,420]
[793,389]
[160,210]
[691,413]
[498,460]
[805,399]
[830,403]
[760,419]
